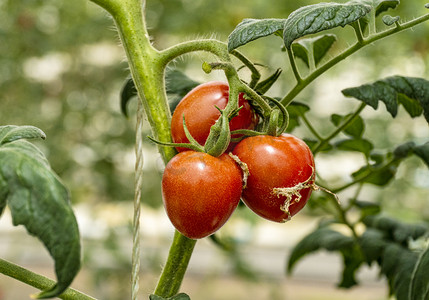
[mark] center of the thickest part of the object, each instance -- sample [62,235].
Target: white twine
[138,182]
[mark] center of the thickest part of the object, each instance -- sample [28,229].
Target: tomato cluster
[200,191]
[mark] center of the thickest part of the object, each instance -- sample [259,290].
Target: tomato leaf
[181,296]
[322,16]
[321,238]
[300,51]
[38,200]
[391,91]
[384,5]
[372,245]
[317,46]
[397,264]
[296,110]
[128,92]
[419,287]
[10,133]
[251,29]
[406,149]
[352,261]
[354,129]
[367,208]
[374,175]
[389,20]
[358,144]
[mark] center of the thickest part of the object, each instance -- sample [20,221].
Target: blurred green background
[62,68]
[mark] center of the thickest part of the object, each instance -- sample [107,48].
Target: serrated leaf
[38,200]
[10,133]
[321,238]
[354,129]
[181,296]
[388,90]
[322,16]
[251,29]
[389,20]
[359,145]
[419,285]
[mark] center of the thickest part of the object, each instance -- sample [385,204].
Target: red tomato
[200,192]
[276,162]
[198,107]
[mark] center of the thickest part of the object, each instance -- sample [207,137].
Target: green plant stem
[147,70]
[340,128]
[175,267]
[38,281]
[294,67]
[349,51]
[311,127]
[255,73]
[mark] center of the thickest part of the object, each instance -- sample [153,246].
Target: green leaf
[397,264]
[389,20]
[322,16]
[251,29]
[372,244]
[317,46]
[38,200]
[300,51]
[128,92]
[10,133]
[359,145]
[321,46]
[321,238]
[296,110]
[389,91]
[419,285]
[352,261]
[423,152]
[354,129]
[384,5]
[375,175]
[367,208]
[181,296]
[263,86]
[406,149]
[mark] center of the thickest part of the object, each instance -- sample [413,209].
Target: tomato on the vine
[200,112]
[200,192]
[281,175]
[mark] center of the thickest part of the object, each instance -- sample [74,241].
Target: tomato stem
[174,270]
[38,281]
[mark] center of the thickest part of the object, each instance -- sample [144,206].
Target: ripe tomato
[200,192]
[198,107]
[276,162]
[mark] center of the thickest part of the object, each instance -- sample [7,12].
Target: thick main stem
[174,270]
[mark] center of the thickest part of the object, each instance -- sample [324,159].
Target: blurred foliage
[61,69]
